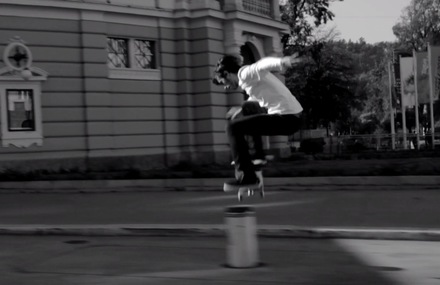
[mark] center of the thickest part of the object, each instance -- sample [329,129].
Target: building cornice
[249,17]
[56,9]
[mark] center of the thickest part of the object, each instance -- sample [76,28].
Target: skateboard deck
[250,190]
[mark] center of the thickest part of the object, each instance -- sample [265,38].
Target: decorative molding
[17,56]
[37,74]
[135,74]
[31,11]
[20,74]
[87,15]
[263,22]
[129,19]
[69,9]
[18,59]
[23,142]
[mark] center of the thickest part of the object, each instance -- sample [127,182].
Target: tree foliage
[298,15]
[344,84]
[324,84]
[419,24]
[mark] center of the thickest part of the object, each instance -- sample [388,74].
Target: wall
[94,119]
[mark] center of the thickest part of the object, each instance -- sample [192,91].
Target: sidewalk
[324,207]
[216,184]
[67,260]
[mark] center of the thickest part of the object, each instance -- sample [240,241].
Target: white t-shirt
[262,86]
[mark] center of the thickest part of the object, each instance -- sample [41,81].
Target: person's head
[225,72]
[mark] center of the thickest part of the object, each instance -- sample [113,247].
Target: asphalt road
[374,208]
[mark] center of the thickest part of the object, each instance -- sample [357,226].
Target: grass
[295,166]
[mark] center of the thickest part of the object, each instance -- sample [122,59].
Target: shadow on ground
[167,260]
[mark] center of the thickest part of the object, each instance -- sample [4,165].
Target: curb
[220,231]
[215,184]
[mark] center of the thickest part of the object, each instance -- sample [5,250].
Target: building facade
[122,83]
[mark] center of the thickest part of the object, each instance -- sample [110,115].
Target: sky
[372,20]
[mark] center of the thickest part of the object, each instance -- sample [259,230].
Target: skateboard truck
[248,190]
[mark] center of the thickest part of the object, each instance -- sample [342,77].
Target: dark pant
[256,126]
[255,142]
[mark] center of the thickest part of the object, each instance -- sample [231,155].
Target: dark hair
[228,63]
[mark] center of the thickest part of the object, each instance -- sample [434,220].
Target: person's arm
[267,64]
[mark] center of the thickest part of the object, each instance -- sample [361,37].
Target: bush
[312,146]
[355,145]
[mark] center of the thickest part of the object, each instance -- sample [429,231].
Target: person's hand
[289,61]
[296,58]
[233,112]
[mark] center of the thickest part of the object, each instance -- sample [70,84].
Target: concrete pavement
[66,260]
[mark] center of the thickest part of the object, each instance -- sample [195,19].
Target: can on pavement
[241,233]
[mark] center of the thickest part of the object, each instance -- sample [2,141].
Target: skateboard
[249,190]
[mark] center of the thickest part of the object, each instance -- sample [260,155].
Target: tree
[324,84]
[372,88]
[419,24]
[297,14]
[375,105]
[342,83]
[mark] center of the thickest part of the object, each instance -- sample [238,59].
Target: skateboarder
[250,108]
[283,109]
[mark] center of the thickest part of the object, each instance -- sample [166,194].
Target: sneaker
[260,162]
[257,161]
[244,181]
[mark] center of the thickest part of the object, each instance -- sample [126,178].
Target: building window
[261,7]
[117,53]
[20,110]
[131,53]
[144,54]
[132,59]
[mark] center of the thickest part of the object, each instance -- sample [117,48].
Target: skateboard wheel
[240,195]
